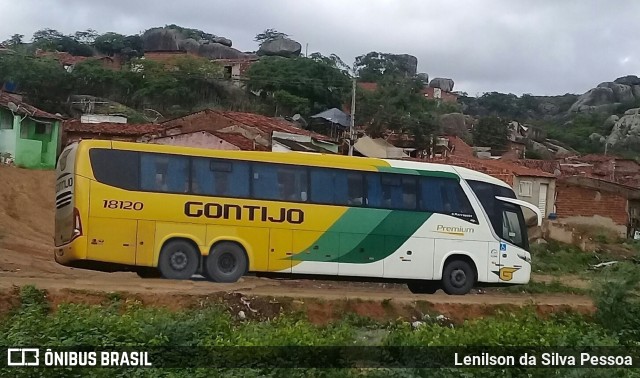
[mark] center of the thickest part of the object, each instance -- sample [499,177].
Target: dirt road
[26,257]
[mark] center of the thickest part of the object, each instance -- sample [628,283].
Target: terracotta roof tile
[110,128]
[24,108]
[209,120]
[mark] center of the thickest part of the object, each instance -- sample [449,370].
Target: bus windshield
[506,219]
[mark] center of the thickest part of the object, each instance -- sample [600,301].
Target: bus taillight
[77,224]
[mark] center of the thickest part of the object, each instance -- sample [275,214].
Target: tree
[374,66]
[73,47]
[15,40]
[321,84]
[269,35]
[491,132]
[46,39]
[332,60]
[109,43]
[397,105]
[87,37]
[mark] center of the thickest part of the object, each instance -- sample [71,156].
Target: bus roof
[307,158]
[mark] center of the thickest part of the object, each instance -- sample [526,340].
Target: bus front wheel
[227,262]
[179,260]
[458,277]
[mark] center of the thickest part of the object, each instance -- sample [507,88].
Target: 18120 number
[124,205]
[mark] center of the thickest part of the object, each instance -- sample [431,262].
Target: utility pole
[353,118]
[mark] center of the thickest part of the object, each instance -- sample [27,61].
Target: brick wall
[575,201]
[478,165]
[549,166]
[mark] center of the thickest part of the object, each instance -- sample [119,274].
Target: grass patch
[560,258]
[553,287]
[135,325]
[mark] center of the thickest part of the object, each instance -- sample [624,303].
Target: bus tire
[178,260]
[458,277]
[227,262]
[423,287]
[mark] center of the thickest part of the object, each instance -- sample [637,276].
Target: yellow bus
[176,212]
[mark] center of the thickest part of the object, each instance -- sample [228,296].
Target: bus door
[514,237]
[145,239]
[280,250]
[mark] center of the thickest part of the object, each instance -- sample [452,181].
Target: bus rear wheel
[227,262]
[458,277]
[423,287]
[179,260]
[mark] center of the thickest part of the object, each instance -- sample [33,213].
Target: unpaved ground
[26,257]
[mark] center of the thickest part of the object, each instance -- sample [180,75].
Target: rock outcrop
[408,62]
[170,39]
[456,124]
[606,96]
[626,130]
[628,80]
[282,46]
[442,83]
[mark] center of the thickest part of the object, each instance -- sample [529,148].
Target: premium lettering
[236,212]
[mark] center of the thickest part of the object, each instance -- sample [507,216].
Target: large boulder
[282,46]
[424,77]
[626,131]
[170,39]
[442,83]
[593,98]
[223,41]
[621,92]
[220,51]
[162,39]
[409,63]
[636,91]
[628,80]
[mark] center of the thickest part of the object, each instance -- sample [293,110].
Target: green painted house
[29,137]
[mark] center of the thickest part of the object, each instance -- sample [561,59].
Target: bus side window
[374,190]
[322,186]
[275,182]
[164,173]
[442,195]
[348,188]
[220,178]
[115,167]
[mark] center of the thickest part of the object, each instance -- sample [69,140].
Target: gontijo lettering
[252,213]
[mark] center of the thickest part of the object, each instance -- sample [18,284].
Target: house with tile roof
[237,131]
[75,130]
[531,185]
[29,137]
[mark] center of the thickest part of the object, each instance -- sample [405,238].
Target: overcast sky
[543,47]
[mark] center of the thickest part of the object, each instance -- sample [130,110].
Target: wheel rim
[179,260]
[458,278]
[227,263]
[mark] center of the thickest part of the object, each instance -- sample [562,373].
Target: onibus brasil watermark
[34,357]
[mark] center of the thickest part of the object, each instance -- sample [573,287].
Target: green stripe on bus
[386,238]
[441,174]
[406,171]
[363,236]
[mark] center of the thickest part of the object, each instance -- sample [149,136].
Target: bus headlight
[525,256]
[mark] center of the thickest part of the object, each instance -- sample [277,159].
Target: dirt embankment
[26,258]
